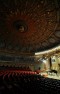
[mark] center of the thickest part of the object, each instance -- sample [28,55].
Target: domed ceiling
[29,25]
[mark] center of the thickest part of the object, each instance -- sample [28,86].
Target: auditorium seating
[24,82]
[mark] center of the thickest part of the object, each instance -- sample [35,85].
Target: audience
[24,82]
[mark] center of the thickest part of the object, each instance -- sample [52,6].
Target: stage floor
[53,76]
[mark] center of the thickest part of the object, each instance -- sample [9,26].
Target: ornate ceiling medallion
[20,25]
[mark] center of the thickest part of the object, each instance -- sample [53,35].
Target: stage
[53,75]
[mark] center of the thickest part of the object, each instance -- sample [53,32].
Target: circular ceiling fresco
[29,25]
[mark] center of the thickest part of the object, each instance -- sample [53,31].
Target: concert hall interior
[29,46]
